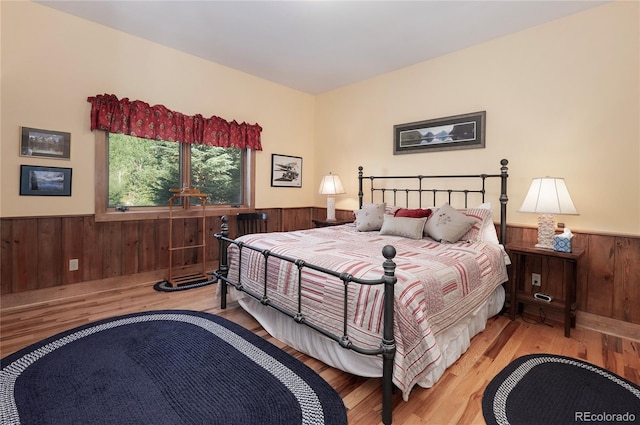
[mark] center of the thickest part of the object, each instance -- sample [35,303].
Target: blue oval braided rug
[551,389]
[162,367]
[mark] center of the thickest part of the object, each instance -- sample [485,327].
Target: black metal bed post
[360,193]
[388,338]
[223,266]
[503,200]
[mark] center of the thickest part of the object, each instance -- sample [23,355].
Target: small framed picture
[45,143]
[286,171]
[45,181]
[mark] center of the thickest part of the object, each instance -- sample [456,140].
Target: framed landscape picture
[45,143]
[286,171]
[45,181]
[440,134]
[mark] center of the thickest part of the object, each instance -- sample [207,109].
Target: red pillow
[415,213]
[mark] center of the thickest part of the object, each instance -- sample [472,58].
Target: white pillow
[370,217]
[448,224]
[489,233]
[405,227]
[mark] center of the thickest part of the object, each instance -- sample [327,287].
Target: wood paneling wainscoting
[35,254]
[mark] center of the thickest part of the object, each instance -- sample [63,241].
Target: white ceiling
[317,46]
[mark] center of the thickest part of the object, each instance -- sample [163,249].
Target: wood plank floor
[455,399]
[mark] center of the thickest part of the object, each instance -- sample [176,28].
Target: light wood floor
[456,398]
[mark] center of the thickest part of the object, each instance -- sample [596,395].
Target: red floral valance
[137,118]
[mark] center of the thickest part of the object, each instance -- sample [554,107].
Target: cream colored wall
[562,99]
[51,63]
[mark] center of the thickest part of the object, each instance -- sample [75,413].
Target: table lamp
[331,185]
[547,196]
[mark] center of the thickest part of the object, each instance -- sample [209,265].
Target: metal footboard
[387,344]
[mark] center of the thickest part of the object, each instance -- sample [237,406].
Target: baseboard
[608,326]
[44,295]
[586,320]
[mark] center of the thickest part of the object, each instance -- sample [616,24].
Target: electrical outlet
[535,279]
[73,265]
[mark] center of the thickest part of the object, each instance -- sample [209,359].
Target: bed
[399,293]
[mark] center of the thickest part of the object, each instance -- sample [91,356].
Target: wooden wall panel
[50,265]
[296,219]
[274,223]
[147,251]
[35,253]
[196,231]
[112,249]
[6,259]
[25,258]
[131,245]
[72,247]
[213,247]
[91,259]
[190,238]
[162,242]
[212,227]
[582,293]
[177,240]
[552,273]
[600,279]
[626,295]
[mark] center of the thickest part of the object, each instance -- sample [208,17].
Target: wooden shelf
[528,298]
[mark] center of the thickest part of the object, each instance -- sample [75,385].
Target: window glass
[218,172]
[141,171]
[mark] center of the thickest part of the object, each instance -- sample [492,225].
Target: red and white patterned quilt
[438,284]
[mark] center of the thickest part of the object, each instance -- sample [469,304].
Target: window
[138,174]
[141,171]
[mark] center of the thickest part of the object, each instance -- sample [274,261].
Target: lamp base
[546,231]
[331,208]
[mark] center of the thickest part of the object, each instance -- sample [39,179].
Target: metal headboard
[426,194]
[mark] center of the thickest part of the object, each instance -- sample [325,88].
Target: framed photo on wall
[441,134]
[45,143]
[286,171]
[45,181]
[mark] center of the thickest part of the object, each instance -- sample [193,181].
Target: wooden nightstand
[519,252]
[325,223]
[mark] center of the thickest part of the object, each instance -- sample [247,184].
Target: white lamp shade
[548,195]
[331,185]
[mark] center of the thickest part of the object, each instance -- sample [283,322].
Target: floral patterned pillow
[370,217]
[448,224]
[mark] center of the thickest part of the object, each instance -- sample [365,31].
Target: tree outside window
[141,172]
